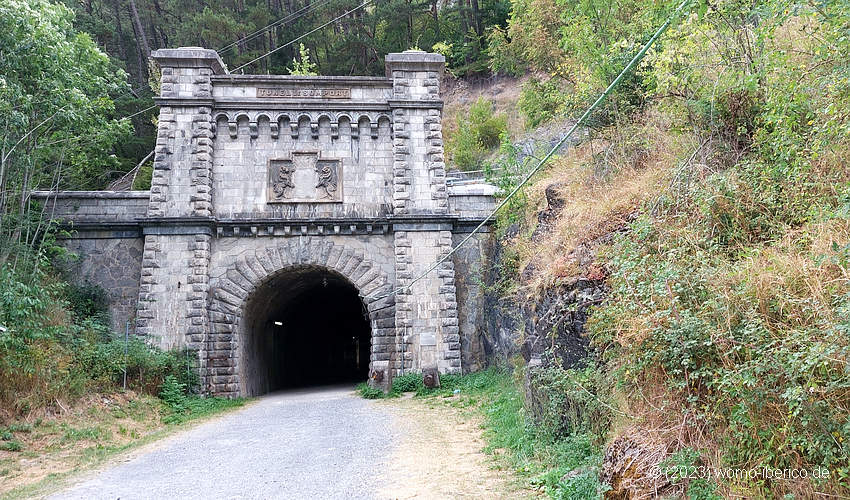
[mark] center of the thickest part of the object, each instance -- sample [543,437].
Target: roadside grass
[562,467]
[36,455]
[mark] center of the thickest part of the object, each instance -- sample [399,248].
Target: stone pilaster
[175,268]
[426,310]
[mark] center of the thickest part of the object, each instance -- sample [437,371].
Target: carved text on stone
[304,93]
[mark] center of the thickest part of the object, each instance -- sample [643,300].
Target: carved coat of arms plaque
[305,177]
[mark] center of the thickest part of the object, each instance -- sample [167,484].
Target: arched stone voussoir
[253,262]
[239,280]
[232,288]
[245,270]
[265,262]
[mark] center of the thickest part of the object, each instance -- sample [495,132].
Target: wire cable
[636,59]
[337,18]
[283,20]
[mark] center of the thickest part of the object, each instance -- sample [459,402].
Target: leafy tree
[56,116]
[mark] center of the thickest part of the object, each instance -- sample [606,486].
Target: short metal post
[126,340]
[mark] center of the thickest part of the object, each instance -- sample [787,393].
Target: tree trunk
[122,50]
[476,18]
[143,49]
[436,17]
[141,38]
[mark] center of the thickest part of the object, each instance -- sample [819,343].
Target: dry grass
[604,183]
[55,443]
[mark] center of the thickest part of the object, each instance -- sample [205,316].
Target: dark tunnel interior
[305,327]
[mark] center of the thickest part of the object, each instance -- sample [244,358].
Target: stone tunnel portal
[306,326]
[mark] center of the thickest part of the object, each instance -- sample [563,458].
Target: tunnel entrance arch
[306,325]
[315,287]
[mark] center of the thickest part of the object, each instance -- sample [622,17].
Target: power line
[640,55]
[337,18]
[289,17]
[145,87]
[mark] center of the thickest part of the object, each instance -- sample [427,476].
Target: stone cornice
[190,57]
[273,227]
[416,103]
[184,101]
[277,104]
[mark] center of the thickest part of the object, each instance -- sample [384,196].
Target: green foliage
[409,382]
[73,434]
[582,45]
[506,174]
[573,401]
[183,406]
[87,300]
[367,392]
[57,126]
[47,354]
[38,87]
[539,101]
[143,179]
[478,132]
[12,445]
[302,65]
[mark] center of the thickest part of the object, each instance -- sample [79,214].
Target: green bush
[48,354]
[409,382]
[477,134]
[183,406]
[367,392]
[539,101]
[574,401]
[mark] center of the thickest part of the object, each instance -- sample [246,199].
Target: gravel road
[317,444]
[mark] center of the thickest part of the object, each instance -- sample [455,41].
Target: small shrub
[477,133]
[183,406]
[573,401]
[173,393]
[409,382]
[88,300]
[12,445]
[540,101]
[367,392]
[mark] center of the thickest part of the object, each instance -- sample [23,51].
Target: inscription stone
[308,93]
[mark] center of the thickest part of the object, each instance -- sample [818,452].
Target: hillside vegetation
[72,391]
[712,199]
[709,196]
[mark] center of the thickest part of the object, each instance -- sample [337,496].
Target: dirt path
[439,455]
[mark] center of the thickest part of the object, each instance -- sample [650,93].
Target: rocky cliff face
[549,323]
